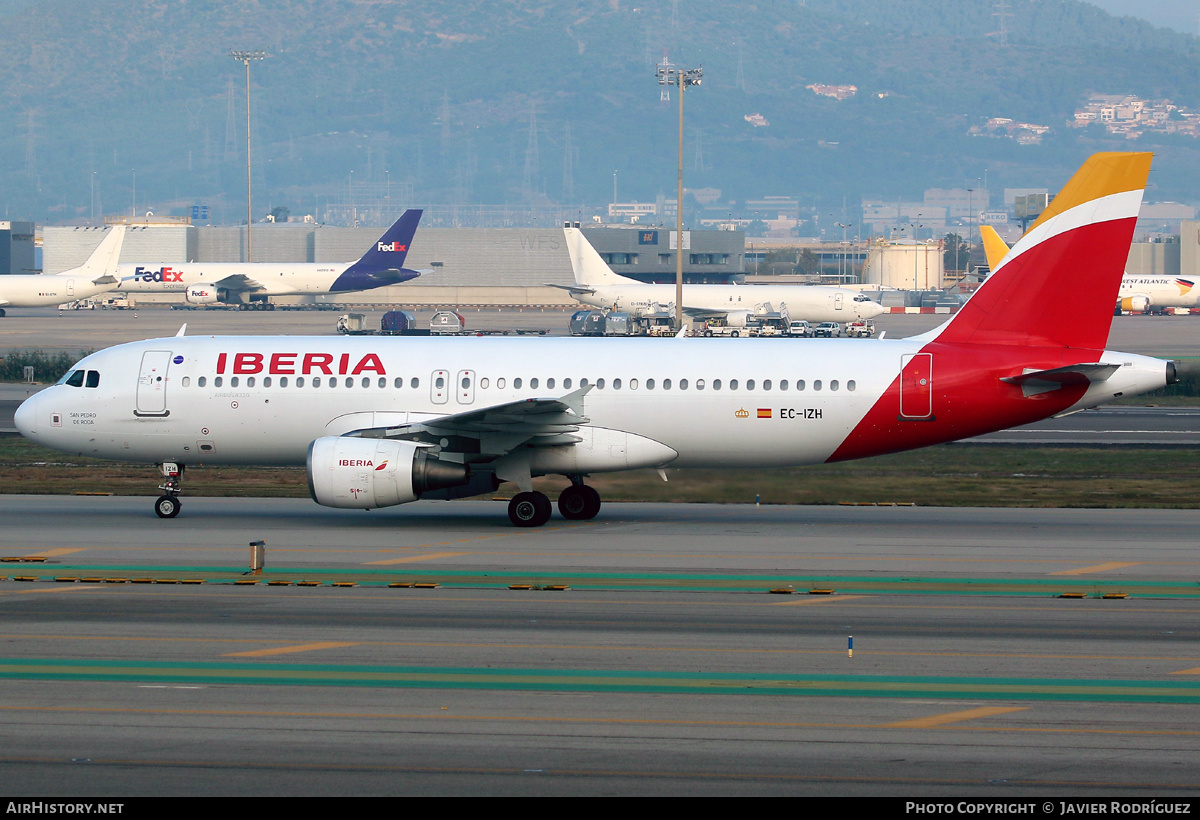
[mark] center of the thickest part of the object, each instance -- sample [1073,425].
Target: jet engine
[738,318]
[365,473]
[203,294]
[1139,303]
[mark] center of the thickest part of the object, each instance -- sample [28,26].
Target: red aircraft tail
[1059,283]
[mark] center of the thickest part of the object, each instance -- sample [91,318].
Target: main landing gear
[578,502]
[167,505]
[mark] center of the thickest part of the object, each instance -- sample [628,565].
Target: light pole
[246,57]
[682,78]
[842,269]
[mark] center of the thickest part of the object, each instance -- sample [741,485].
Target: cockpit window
[74,379]
[93,378]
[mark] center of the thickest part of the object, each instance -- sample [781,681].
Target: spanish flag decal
[764,412]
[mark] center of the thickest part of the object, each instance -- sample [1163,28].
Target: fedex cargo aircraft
[251,284]
[384,421]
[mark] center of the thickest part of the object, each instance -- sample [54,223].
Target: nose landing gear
[167,505]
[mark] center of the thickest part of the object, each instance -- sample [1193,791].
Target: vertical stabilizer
[994,248]
[589,268]
[390,250]
[1058,284]
[101,267]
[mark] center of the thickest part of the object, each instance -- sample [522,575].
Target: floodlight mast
[246,57]
[669,74]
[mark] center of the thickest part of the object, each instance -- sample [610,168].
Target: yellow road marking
[287,650]
[826,600]
[1111,565]
[956,717]
[408,559]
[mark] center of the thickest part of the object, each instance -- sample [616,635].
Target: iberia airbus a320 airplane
[384,421]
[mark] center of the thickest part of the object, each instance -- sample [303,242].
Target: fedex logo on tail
[392,247]
[165,274]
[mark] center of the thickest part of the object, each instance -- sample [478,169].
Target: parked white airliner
[251,284]
[95,276]
[597,285]
[384,421]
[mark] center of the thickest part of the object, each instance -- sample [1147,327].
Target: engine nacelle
[365,473]
[1137,303]
[738,318]
[203,294]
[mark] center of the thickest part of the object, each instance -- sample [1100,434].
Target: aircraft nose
[872,309]
[25,418]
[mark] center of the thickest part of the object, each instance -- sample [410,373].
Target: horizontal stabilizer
[1033,382]
[573,289]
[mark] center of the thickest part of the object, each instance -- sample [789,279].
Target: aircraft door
[152,384]
[916,387]
[71,288]
[439,386]
[465,384]
[837,301]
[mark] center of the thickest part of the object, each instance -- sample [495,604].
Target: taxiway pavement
[667,668]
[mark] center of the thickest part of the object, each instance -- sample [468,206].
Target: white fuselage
[47,289]
[1161,291]
[814,304]
[273,279]
[263,400]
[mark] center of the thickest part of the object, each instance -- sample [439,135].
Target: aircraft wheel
[529,509]
[167,506]
[579,502]
[2,312]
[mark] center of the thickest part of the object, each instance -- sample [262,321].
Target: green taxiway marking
[692,582]
[277,674]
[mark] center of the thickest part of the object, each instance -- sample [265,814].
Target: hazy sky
[1180,15]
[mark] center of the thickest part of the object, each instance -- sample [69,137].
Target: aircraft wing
[491,432]
[239,282]
[705,313]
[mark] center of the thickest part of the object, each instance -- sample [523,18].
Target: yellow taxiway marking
[823,600]
[1195,671]
[408,559]
[287,650]
[956,717]
[58,552]
[1111,565]
[73,588]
